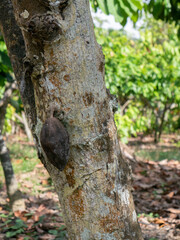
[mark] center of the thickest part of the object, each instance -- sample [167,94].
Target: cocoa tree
[60,74]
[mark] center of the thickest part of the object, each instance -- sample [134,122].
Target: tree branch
[7,94]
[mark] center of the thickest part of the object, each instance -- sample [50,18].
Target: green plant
[60,233]
[12,227]
[177,144]
[149,215]
[144,74]
[7,77]
[17,228]
[168,11]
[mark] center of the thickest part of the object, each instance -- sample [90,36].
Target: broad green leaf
[137,3]
[123,5]
[103,6]
[113,9]
[167,10]
[132,5]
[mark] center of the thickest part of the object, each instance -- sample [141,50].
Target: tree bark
[15,196]
[16,200]
[23,120]
[64,68]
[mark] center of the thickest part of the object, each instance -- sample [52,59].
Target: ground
[156,178]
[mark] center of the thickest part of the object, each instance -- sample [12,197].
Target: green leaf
[54,232]
[167,10]
[14,233]
[137,3]
[121,13]
[127,10]
[157,9]
[5,59]
[103,6]
[131,5]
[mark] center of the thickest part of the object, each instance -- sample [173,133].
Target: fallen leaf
[18,161]
[20,238]
[47,237]
[159,221]
[174,210]
[44,182]
[39,230]
[41,208]
[170,195]
[146,186]
[28,185]
[161,226]
[172,215]
[21,215]
[39,165]
[176,197]
[30,223]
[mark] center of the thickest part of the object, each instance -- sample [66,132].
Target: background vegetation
[144,74]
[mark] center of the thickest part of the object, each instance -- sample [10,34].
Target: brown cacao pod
[55,142]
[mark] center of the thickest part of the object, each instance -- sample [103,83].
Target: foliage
[15,106]
[121,9]
[130,123]
[6,77]
[11,226]
[167,10]
[9,118]
[5,66]
[14,226]
[145,75]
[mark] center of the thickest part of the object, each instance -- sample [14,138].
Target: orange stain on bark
[76,203]
[111,222]
[69,171]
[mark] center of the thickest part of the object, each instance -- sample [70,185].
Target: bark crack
[91,173]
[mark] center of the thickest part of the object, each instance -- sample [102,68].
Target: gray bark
[64,67]
[23,120]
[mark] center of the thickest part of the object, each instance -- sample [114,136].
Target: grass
[24,157]
[19,151]
[159,154]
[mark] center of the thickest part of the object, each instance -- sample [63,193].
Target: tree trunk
[15,196]
[64,70]
[162,121]
[16,200]
[23,120]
